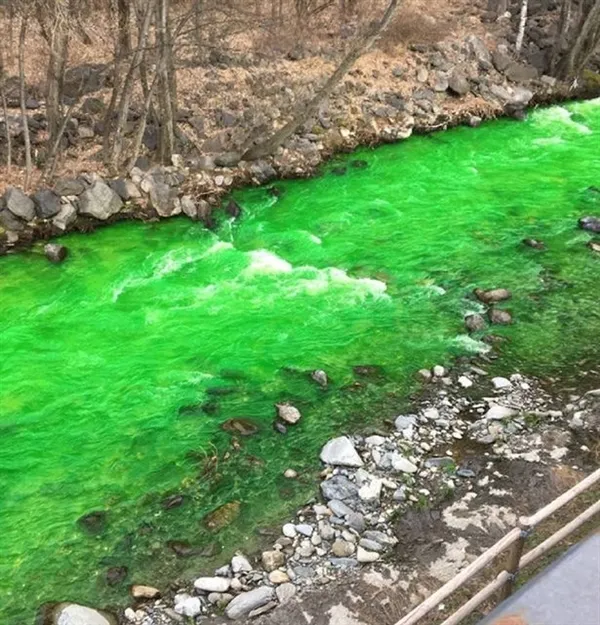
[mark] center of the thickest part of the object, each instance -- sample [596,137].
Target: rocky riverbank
[465,426]
[436,86]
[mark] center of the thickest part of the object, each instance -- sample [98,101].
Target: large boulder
[480,51]
[47,203]
[519,72]
[100,201]
[458,83]
[125,189]
[10,222]
[163,199]
[19,204]
[69,186]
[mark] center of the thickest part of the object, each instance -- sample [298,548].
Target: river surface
[119,367]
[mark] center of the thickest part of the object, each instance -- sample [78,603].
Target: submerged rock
[500,317]
[359,164]
[534,243]
[320,377]
[172,501]
[368,371]
[594,246]
[94,522]
[475,323]
[492,296]
[181,548]
[241,426]
[222,516]
[116,574]
[233,209]
[139,591]
[279,427]
[55,253]
[591,224]
[341,452]
[288,413]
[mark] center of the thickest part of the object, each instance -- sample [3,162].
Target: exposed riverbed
[120,366]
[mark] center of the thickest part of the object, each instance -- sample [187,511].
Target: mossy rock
[223,516]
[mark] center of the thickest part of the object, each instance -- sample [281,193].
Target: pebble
[341,452]
[240,564]
[212,584]
[363,556]
[278,577]
[187,605]
[404,422]
[465,382]
[500,383]
[439,371]
[370,545]
[285,592]
[402,464]
[344,563]
[288,414]
[289,530]
[290,474]
[425,375]
[245,603]
[374,441]
[220,599]
[497,412]
[305,529]
[342,548]
[272,560]
[138,591]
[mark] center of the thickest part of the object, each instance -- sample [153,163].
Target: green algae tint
[119,366]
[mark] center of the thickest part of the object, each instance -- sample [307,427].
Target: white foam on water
[315,239]
[263,261]
[548,141]
[561,115]
[169,263]
[469,344]
[325,278]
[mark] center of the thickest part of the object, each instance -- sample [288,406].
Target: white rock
[371,491]
[236,584]
[288,414]
[439,371]
[465,382]
[364,556]
[431,413]
[341,452]
[500,412]
[400,463]
[289,530]
[130,615]
[243,604]
[404,421]
[500,383]
[240,564]
[75,614]
[290,474]
[187,605]
[278,577]
[212,584]
[374,441]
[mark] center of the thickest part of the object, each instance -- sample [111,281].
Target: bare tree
[23,98]
[361,45]
[522,24]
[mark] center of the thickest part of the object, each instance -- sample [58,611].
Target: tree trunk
[57,63]
[522,24]
[585,43]
[165,83]
[24,118]
[563,32]
[5,112]
[307,110]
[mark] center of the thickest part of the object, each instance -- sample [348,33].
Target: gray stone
[188,207]
[342,548]
[404,422]
[501,60]
[480,51]
[65,217]
[339,508]
[305,529]
[497,413]
[501,383]
[10,222]
[19,204]
[371,545]
[443,461]
[55,253]
[245,603]
[75,614]
[69,186]
[458,83]
[344,563]
[591,224]
[339,487]
[320,377]
[47,203]
[285,592]
[99,201]
[340,452]
[380,537]
[402,464]
[519,72]
[227,159]
[163,199]
[475,323]
[499,317]
[356,521]
[85,132]
[126,189]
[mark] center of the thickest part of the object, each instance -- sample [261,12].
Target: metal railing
[516,561]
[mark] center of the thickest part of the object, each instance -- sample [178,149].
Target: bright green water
[99,354]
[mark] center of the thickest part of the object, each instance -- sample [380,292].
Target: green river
[119,367]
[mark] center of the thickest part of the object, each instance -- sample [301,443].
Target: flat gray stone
[339,487]
[245,603]
[19,204]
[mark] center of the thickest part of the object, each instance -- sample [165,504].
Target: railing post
[514,559]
